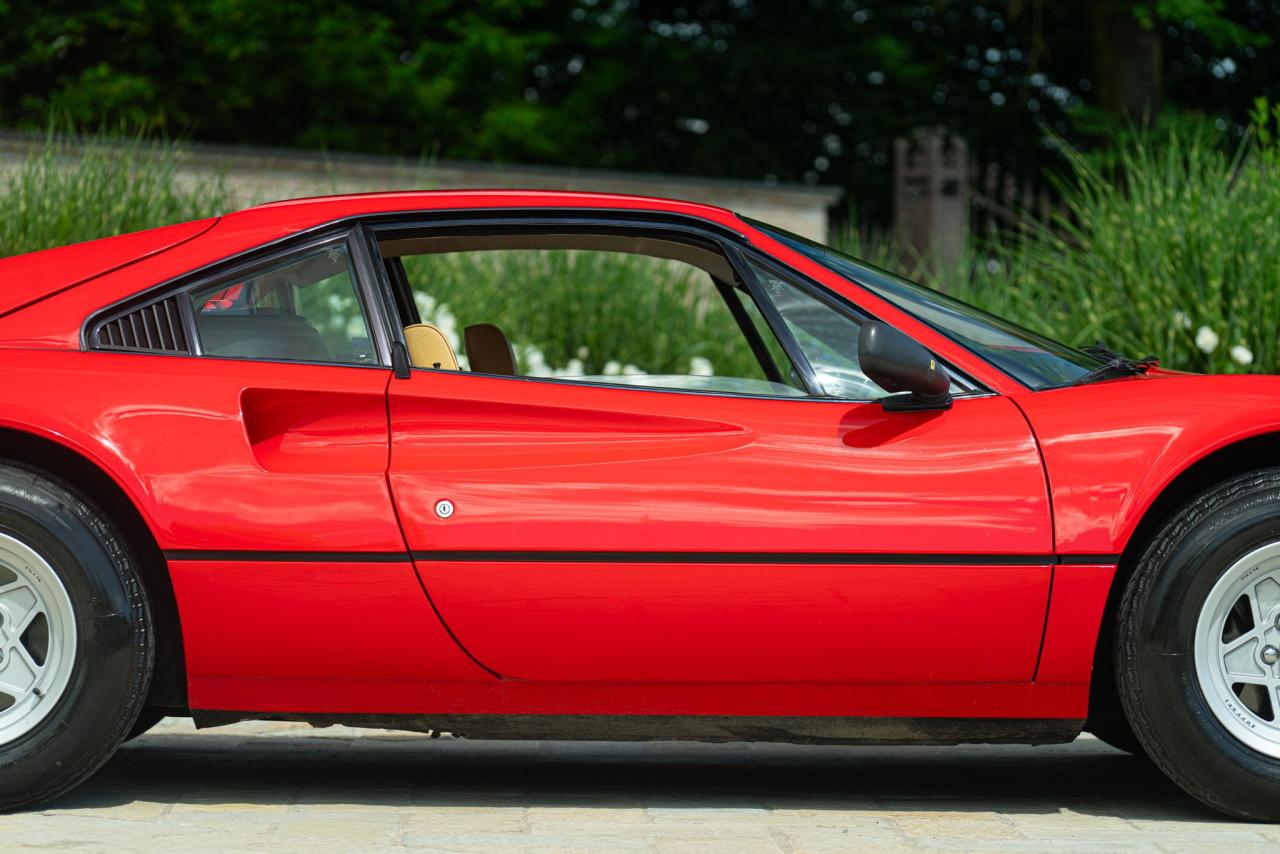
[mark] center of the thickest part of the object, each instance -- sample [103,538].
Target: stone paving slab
[291,788]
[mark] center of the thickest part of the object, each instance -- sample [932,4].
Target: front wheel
[147,719]
[1198,647]
[75,638]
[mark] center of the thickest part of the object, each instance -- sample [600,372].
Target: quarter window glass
[306,309]
[828,338]
[1034,360]
[777,354]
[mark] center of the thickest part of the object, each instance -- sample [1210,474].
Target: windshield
[1034,360]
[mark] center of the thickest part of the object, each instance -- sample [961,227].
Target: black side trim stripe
[826,558]
[729,557]
[284,557]
[759,557]
[1069,560]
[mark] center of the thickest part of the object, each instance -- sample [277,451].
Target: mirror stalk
[913,402]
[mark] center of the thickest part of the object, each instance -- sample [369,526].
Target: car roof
[292,215]
[30,278]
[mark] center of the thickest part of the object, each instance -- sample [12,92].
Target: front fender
[1111,449]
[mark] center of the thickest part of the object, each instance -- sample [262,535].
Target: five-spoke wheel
[75,637]
[1238,649]
[37,638]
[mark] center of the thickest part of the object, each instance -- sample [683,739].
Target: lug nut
[1270,654]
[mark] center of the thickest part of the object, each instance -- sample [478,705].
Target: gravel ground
[287,787]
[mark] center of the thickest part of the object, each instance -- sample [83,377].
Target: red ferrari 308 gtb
[281,464]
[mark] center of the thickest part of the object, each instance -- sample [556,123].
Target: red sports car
[258,466]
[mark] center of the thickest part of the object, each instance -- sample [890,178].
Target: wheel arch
[1248,454]
[71,466]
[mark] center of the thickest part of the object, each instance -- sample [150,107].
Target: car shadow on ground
[401,771]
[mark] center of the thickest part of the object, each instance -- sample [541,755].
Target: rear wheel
[1198,647]
[75,638]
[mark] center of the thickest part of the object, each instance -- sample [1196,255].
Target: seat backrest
[488,350]
[428,348]
[261,336]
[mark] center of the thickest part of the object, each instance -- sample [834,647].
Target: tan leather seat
[488,350]
[428,348]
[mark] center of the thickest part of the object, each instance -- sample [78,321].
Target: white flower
[583,352]
[631,371]
[612,368]
[1181,321]
[534,362]
[1242,355]
[1206,339]
[439,316]
[426,304]
[700,367]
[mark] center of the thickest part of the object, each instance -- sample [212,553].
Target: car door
[569,531]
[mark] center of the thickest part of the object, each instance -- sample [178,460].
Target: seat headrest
[488,350]
[428,348]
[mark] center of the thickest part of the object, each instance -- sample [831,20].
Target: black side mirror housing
[897,364]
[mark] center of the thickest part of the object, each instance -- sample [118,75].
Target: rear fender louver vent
[156,327]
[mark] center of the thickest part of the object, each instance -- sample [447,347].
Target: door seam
[417,573]
[1053,537]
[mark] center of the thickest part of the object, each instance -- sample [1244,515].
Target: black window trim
[244,265]
[370,277]
[776,323]
[769,231]
[733,245]
[729,293]
[691,232]
[839,303]
[374,288]
[546,220]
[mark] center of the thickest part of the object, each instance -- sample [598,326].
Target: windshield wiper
[1114,364]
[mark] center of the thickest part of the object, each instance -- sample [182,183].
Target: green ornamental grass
[73,190]
[1170,245]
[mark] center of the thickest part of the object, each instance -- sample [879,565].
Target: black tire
[1155,655]
[111,667]
[147,719]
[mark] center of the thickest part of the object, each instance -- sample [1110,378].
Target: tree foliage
[797,90]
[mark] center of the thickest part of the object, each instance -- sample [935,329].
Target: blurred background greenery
[1149,121]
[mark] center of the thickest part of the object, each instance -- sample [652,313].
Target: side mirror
[897,364]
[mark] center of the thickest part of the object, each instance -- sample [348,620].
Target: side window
[827,337]
[657,316]
[305,309]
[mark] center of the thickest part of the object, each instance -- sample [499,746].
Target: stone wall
[258,175]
